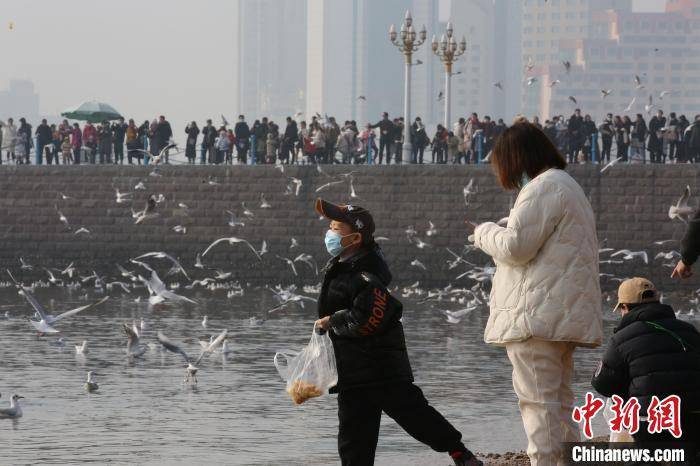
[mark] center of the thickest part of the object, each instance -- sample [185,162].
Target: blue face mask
[333,243]
[524,180]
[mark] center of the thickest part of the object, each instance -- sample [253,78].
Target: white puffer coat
[546,284]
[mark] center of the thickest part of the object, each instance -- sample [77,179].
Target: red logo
[587,412]
[626,415]
[377,313]
[661,414]
[665,415]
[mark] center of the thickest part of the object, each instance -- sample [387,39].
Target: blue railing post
[594,146]
[37,152]
[253,147]
[145,148]
[202,154]
[370,143]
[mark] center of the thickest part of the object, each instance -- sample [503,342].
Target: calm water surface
[239,412]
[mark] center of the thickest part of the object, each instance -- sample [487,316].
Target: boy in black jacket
[374,373]
[652,353]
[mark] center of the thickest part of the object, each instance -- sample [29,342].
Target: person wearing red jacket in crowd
[76,141]
[232,143]
[90,141]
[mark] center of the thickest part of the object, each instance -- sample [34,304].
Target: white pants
[542,375]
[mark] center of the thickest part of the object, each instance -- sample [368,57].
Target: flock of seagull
[604,93]
[139,276]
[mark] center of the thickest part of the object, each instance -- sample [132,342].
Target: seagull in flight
[606,92]
[297,183]
[82,349]
[263,202]
[419,264]
[308,260]
[147,212]
[530,64]
[232,240]
[192,363]
[44,325]
[629,255]
[24,265]
[328,185]
[468,190]
[498,84]
[611,164]
[176,268]
[233,220]
[289,262]
[681,210]
[123,197]
[62,218]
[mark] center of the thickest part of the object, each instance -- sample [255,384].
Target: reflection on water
[239,413]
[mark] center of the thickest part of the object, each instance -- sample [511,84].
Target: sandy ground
[515,458]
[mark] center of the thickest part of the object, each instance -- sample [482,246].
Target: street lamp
[448,50]
[407,43]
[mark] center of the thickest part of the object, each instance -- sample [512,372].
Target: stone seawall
[631,205]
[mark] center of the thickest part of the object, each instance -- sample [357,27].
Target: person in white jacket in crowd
[9,139]
[545,299]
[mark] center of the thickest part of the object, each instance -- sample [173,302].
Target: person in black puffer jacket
[364,320]
[652,354]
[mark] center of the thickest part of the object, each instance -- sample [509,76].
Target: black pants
[360,410]
[672,149]
[384,145]
[119,152]
[605,154]
[693,154]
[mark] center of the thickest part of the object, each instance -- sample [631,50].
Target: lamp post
[407,43]
[448,50]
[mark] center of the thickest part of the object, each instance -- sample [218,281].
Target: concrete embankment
[631,205]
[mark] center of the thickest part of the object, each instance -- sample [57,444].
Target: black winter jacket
[652,353]
[367,334]
[690,244]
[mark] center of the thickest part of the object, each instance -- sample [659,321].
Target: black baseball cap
[358,217]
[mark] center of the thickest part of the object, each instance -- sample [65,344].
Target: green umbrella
[92,111]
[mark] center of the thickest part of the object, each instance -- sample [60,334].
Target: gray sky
[171,57]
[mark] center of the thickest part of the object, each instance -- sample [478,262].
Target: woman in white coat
[545,299]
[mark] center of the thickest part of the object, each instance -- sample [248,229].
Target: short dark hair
[523,148]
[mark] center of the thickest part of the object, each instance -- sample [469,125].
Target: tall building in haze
[545,23]
[661,49]
[349,55]
[19,100]
[270,56]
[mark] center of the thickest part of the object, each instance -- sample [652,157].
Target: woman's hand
[323,323]
[682,271]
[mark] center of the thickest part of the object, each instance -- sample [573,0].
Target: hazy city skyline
[175,60]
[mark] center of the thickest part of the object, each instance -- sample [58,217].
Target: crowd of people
[324,140]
